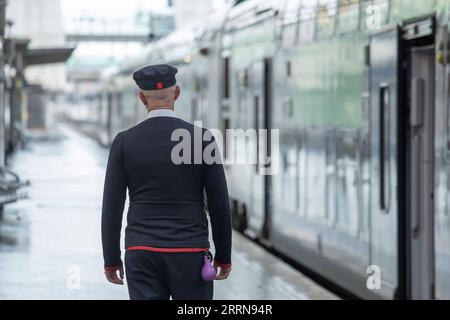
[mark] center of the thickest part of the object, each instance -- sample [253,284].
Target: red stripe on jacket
[173,250]
[176,250]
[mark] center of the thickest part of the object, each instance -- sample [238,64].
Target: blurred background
[357,89]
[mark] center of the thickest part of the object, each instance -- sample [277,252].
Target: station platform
[50,244]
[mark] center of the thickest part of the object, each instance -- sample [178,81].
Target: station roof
[35,56]
[47,55]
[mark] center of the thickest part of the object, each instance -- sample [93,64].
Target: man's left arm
[114,196]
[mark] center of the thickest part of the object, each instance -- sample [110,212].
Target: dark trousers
[159,276]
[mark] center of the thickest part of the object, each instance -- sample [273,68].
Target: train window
[109,113]
[290,108]
[289,69]
[330,188]
[194,109]
[119,105]
[256,127]
[226,78]
[243,78]
[348,15]
[197,84]
[363,157]
[303,172]
[347,182]
[384,154]
[7,110]
[129,108]
[288,180]
[448,113]
[118,112]
[326,18]
[241,103]
[308,12]
[226,127]
[316,176]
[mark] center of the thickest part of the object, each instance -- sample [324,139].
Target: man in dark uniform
[166,237]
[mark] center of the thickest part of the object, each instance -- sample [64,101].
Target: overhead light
[187,59]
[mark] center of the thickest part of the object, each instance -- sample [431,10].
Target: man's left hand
[114,274]
[224,270]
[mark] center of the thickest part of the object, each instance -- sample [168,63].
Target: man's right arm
[113,204]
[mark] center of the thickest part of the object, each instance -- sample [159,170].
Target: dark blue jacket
[166,200]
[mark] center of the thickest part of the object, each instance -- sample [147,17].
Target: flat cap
[156,77]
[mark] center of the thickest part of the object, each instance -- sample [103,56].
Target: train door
[259,206]
[402,144]
[384,115]
[419,51]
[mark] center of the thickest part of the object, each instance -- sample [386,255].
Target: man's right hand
[114,274]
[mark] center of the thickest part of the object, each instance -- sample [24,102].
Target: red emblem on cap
[159,85]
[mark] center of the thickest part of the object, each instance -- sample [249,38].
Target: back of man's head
[163,98]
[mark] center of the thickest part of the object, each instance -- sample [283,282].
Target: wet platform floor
[50,244]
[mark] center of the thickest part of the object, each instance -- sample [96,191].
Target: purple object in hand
[208,270]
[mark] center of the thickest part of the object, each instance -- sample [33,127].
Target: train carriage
[343,93]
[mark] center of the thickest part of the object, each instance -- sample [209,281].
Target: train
[359,93]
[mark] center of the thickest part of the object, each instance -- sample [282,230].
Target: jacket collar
[162,113]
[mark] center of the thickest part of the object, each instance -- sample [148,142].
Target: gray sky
[121,11]
[109,8]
